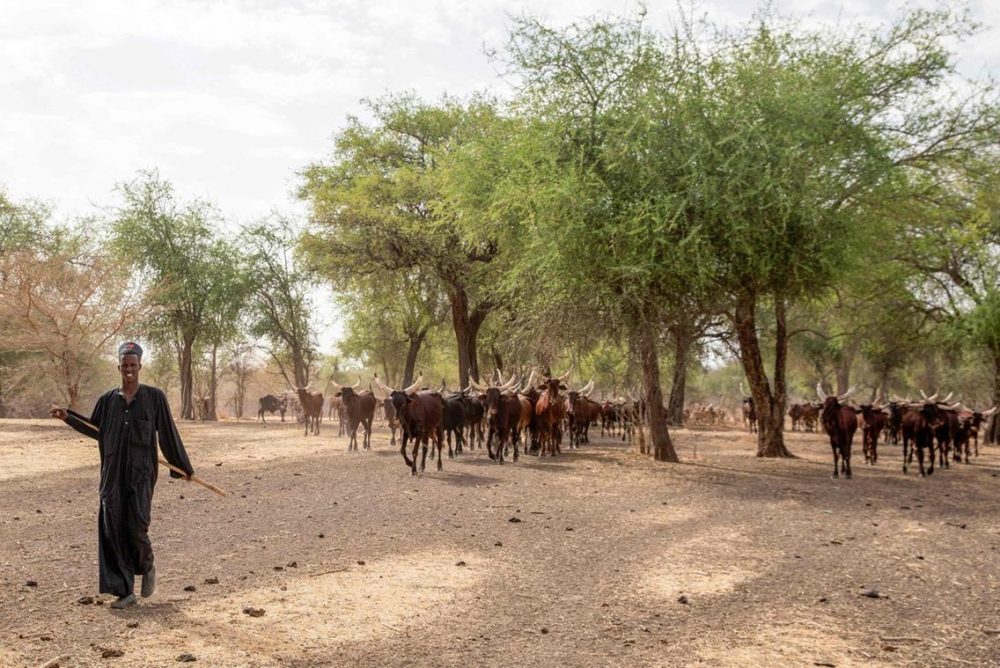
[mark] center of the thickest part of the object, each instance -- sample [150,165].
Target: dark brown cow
[580,413]
[271,404]
[874,419]
[840,422]
[810,416]
[795,412]
[419,415]
[549,411]
[503,412]
[971,421]
[360,410]
[312,408]
[920,419]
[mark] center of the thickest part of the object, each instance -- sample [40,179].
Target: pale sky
[229,99]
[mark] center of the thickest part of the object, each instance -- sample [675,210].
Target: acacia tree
[791,137]
[22,224]
[280,311]
[390,314]
[66,304]
[953,240]
[573,187]
[376,209]
[171,244]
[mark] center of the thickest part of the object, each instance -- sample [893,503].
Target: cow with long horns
[840,421]
[873,418]
[419,414]
[312,408]
[920,420]
[580,413]
[549,411]
[360,409]
[503,412]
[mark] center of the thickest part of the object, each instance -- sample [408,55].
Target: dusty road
[575,561]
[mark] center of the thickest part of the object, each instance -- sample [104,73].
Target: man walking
[127,422]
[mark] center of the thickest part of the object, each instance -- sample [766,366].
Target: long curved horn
[819,390]
[946,399]
[384,390]
[922,393]
[357,384]
[475,384]
[416,385]
[511,382]
[531,380]
[587,389]
[566,375]
[845,395]
[743,392]
[990,411]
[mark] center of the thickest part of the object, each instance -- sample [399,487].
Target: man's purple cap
[130,348]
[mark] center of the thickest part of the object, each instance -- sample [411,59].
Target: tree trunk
[299,367]
[682,348]
[993,429]
[416,340]
[770,407]
[460,322]
[213,385]
[187,378]
[466,327]
[656,417]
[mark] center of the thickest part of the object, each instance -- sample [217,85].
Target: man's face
[129,367]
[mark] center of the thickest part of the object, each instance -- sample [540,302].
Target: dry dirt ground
[578,560]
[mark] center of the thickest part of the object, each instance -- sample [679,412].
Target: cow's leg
[836,459]
[423,460]
[402,451]
[875,448]
[846,460]
[451,455]
[416,449]
[440,440]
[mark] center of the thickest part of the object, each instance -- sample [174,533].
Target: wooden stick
[53,663]
[170,466]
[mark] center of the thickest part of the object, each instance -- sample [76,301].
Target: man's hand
[58,412]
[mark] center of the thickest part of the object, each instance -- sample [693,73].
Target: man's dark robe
[127,435]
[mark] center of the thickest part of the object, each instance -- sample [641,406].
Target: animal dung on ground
[31,583]
[85,600]
[873,593]
[190,588]
[253,612]
[111,653]
[514,520]
[682,599]
[186,658]
[211,581]
[460,563]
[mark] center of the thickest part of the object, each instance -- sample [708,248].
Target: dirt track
[356,563]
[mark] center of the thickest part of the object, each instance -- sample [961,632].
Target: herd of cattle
[926,425]
[534,414]
[507,416]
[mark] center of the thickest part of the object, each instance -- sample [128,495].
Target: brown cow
[503,412]
[580,413]
[549,411]
[360,410]
[840,422]
[336,404]
[419,415]
[312,408]
[874,419]
[920,419]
